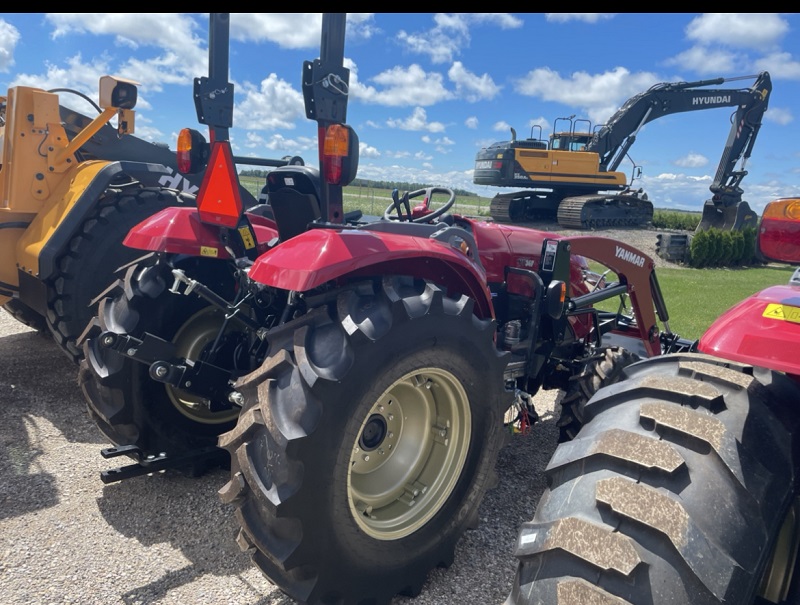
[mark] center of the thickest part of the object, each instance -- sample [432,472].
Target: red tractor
[681,487]
[362,372]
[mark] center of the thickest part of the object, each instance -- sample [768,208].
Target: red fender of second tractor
[319,256]
[180,231]
[763,330]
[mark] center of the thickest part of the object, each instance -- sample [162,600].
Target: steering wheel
[402,206]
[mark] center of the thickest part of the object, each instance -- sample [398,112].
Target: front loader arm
[636,271]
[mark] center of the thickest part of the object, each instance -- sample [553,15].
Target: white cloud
[274,104]
[367,151]
[278,145]
[540,121]
[174,34]
[471,87]
[779,115]
[294,30]
[780,65]
[254,139]
[585,17]
[418,120]
[501,126]
[749,30]
[287,30]
[691,160]
[684,192]
[451,33]
[440,50]
[471,122]
[502,20]
[402,86]
[83,77]
[599,95]
[703,60]
[421,155]
[9,36]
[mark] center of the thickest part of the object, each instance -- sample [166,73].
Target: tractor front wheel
[367,441]
[603,368]
[679,488]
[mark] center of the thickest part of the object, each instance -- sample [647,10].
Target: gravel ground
[67,538]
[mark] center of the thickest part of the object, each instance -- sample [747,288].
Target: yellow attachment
[60,204]
[32,129]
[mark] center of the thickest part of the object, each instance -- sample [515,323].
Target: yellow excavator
[572,176]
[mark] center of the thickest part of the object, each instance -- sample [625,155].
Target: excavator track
[604,211]
[522,206]
[500,210]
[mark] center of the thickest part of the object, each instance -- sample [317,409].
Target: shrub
[675,219]
[717,248]
[699,249]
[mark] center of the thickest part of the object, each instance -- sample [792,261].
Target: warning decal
[782,312]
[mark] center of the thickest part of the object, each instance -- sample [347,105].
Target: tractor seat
[293,193]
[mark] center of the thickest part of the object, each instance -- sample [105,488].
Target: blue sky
[429,90]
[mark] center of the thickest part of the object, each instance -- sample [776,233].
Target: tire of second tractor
[366,443]
[94,254]
[27,316]
[679,489]
[126,404]
[605,367]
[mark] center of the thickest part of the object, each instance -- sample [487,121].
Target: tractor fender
[52,229]
[762,330]
[318,256]
[179,230]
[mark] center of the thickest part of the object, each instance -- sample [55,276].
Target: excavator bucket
[727,218]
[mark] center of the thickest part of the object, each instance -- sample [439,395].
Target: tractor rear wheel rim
[198,333]
[409,453]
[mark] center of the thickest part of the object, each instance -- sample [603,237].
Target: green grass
[696,297]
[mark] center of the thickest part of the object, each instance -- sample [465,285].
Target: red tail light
[219,201]
[779,233]
[339,146]
[192,151]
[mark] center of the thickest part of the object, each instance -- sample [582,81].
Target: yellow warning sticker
[208,251]
[247,237]
[782,312]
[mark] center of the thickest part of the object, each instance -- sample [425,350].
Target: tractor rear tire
[87,265]
[603,368]
[674,491]
[126,404]
[367,441]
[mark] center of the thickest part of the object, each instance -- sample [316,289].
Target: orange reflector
[184,151]
[337,139]
[219,201]
[334,150]
[788,208]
